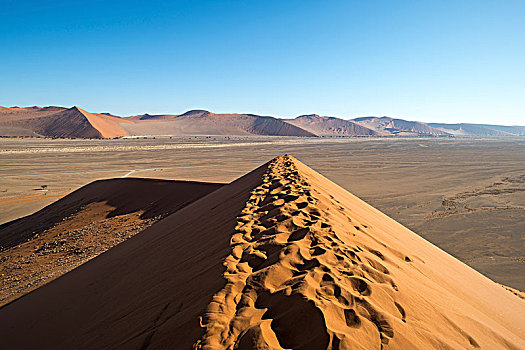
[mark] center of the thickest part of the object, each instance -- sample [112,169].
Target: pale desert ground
[467,196]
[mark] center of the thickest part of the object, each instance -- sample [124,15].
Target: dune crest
[307,272]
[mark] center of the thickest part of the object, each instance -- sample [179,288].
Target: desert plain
[465,195]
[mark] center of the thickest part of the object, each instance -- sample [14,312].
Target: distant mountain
[201,122]
[480,129]
[59,122]
[399,127]
[331,126]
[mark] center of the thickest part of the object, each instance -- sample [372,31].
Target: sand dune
[28,112]
[479,129]
[59,122]
[108,126]
[16,121]
[399,127]
[77,123]
[332,126]
[313,267]
[282,258]
[43,246]
[200,122]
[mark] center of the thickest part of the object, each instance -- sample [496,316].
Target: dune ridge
[306,273]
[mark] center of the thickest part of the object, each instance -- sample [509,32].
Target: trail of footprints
[288,270]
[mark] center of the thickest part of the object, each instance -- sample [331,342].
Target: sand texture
[312,267]
[281,258]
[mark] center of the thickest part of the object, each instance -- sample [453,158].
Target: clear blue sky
[445,61]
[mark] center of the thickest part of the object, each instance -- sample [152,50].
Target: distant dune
[331,126]
[77,123]
[59,122]
[399,127]
[200,122]
[281,258]
[480,129]
[17,121]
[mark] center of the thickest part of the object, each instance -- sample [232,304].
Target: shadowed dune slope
[152,197]
[17,121]
[41,247]
[280,259]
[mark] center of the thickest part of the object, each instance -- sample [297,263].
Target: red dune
[77,123]
[201,122]
[59,122]
[281,258]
